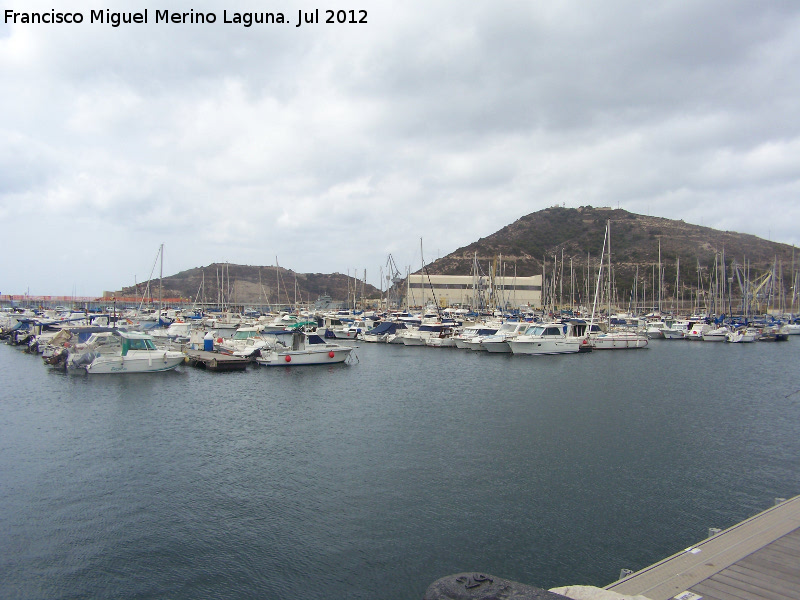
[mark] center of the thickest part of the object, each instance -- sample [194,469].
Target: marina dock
[758,559]
[215,361]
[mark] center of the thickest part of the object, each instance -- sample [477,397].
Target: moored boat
[134,352]
[719,334]
[618,340]
[499,341]
[306,349]
[742,335]
[547,338]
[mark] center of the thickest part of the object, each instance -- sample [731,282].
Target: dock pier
[215,361]
[757,559]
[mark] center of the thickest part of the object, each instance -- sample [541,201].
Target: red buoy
[219,340]
[331,354]
[288,358]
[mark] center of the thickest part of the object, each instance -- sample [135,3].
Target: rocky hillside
[529,242]
[527,246]
[248,285]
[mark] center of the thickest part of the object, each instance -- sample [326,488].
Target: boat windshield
[141,344]
[243,335]
[555,330]
[535,330]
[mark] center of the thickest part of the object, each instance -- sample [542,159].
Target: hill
[254,285]
[532,243]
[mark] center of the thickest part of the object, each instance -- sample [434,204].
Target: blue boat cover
[383,328]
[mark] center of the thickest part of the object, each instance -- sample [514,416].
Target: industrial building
[476,292]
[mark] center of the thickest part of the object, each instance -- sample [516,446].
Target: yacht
[548,338]
[126,352]
[499,341]
[618,340]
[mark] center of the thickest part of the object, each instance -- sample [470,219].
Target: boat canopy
[300,325]
[383,328]
[485,331]
[137,343]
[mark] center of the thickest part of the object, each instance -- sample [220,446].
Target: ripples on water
[374,479]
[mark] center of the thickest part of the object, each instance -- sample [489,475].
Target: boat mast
[161,284]
[677,286]
[724,271]
[659,276]
[794,282]
[597,286]
[608,228]
[561,283]
[571,285]
[421,276]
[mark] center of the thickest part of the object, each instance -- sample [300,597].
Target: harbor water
[371,480]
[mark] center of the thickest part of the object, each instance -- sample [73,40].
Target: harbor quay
[757,559]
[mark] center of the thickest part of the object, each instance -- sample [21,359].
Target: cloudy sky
[330,146]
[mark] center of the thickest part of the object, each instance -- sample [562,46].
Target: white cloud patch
[330,146]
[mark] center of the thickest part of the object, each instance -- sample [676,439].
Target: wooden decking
[758,559]
[214,361]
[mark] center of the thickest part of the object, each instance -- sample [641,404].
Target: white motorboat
[306,349]
[655,330]
[443,341]
[499,341]
[348,331]
[618,340]
[249,341]
[547,338]
[382,331]
[720,334]
[418,337]
[673,333]
[130,352]
[697,330]
[178,330]
[742,335]
[464,339]
[467,332]
[476,341]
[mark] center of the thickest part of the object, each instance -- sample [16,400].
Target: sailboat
[613,339]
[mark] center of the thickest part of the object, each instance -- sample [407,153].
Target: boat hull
[740,338]
[497,347]
[673,334]
[156,362]
[545,346]
[294,358]
[375,338]
[619,342]
[344,334]
[446,342]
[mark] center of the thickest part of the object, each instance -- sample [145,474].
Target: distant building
[482,292]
